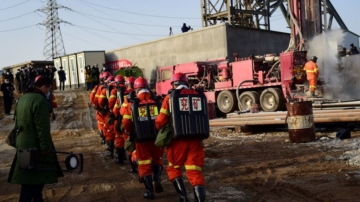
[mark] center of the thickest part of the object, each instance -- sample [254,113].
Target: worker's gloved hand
[104,110]
[111,119]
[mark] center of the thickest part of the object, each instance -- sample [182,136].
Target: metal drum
[300,121]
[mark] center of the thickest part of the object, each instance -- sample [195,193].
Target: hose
[272,68]
[237,89]
[295,23]
[202,78]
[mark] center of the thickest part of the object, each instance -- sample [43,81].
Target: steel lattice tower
[257,13]
[53,46]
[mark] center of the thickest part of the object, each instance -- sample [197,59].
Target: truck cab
[163,80]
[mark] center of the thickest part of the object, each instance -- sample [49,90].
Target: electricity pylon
[53,46]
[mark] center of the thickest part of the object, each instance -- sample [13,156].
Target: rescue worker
[115,117]
[312,74]
[93,101]
[353,50]
[106,101]
[184,150]
[138,121]
[120,111]
[94,95]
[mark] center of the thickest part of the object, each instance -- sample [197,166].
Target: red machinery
[259,80]
[268,80]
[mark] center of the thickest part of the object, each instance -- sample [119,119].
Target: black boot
[199,193]
[156,169]
[149,193]
[180,189]
[134,167]
[110,153]
[102,137]
[119,158]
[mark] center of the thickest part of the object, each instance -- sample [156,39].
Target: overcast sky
[112,24]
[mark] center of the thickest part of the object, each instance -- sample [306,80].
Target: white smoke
[336,77]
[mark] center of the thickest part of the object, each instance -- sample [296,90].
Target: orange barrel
[300,121]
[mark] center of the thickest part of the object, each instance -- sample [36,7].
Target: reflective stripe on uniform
[112,96]
[164,111]
[192,167]
[117,106]
[144,162]
[101,96]
[312,86]
[127,117]
[170,164]
[124,105]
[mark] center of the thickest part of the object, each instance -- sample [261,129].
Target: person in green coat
[33,122]
[95,75]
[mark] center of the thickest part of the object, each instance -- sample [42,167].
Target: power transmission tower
[53,46]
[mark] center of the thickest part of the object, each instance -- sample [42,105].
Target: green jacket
[95,74]
[32,116]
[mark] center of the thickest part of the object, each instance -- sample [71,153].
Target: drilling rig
[268,80]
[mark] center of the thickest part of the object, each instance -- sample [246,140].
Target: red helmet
[105,75]
[100,75]
[110,78]
[140,83]
[38,77]
[130,80]
[119,79]
[179,78]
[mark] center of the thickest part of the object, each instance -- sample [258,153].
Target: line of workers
[130,117]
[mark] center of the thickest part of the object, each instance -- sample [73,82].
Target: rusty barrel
[300,121]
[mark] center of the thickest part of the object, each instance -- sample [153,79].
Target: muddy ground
[238,167]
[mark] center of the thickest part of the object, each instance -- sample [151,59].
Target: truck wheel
[226,101]
[247,98]
[272,99]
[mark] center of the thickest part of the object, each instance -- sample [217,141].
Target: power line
[83,40]
[108,25]
[9,30]
[101,37]
[14,5]
[156,16]
[17,16]
[117,32]
[114,20]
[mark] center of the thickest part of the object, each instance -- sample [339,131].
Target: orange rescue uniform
[312,74]
[94,100]
[182,152]
[119,136]
[147,152]
[103,102]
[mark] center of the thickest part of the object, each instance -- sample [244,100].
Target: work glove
[111,119]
